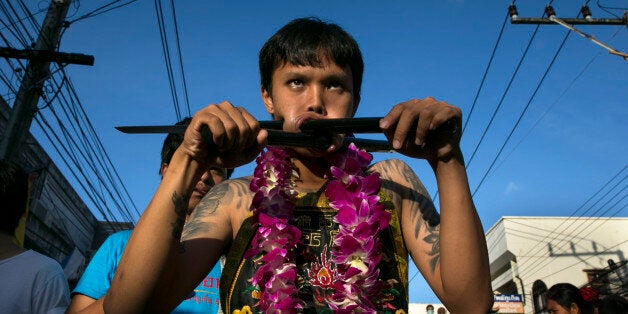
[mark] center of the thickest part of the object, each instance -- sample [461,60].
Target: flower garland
[356,250]
[274,242]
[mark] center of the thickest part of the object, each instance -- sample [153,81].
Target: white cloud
[511,187]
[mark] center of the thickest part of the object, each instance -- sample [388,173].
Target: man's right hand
[236,136]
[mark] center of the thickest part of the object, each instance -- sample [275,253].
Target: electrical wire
[501,101]
[21,19]
[110,170]
[47,130]
[605,9]
[479,90]
[536,249]
[580,261]
[522,269]
[167,59]
[86,147]
[176,34]
[523,112]
[100,10]
[583,225]
[555,102]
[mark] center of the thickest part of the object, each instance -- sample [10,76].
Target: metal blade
[275,138]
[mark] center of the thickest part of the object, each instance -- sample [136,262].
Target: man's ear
[574,309]
[268,101]
[163,168]
[356,102]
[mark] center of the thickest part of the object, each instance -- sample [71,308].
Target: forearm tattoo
[422,211]
[180,208]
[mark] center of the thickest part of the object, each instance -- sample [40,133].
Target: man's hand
[421,128]
[236,137]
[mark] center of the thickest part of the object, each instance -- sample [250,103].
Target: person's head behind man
[566,298]
[429,309]
[308,42]
[211,177]
[13,195]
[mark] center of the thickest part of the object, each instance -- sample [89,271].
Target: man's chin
[305,152]
[195,198]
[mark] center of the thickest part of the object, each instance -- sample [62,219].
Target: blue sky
[568,144]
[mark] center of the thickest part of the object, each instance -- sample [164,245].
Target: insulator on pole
[549,11]
[512,11]
[586,13]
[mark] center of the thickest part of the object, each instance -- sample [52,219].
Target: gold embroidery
[245,310]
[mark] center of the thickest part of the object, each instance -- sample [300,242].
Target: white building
[530,254]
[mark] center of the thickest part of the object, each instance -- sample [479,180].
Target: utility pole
[569,22]
[25,105]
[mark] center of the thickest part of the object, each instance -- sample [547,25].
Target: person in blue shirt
[87,297]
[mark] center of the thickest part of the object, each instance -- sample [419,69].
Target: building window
[539,294]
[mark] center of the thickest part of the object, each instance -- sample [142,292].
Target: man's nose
[316,101]
[207,178]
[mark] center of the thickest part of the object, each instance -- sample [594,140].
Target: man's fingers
[391,118]
[253,127]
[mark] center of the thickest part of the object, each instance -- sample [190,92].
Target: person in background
[429,309]
[565,298]
[29,282]
[441,310]
[95,281]
[613,304]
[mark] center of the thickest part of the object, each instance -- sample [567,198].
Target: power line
[512,78]
[48,133]
[558,230]
[101,10]
[92,151]
[477,94]
[605,9]
[538,86]
[26,17]
[111,169]
[167,59]
[91,148]
[551,106]
[176,34]
[584,260]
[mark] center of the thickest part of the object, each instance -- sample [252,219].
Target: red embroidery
[322,274]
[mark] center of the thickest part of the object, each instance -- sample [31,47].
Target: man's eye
[335,85]
[296,83]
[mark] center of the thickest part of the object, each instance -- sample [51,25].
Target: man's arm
[201,226]
[96,278]
[83,304]
[154,273]
[452,255]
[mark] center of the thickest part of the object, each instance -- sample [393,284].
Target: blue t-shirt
[99,273]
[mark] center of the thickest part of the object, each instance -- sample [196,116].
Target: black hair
[13,195]
[302,42]
[172,142]
[613,304]
[565,294]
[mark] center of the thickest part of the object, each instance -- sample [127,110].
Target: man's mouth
[201,191]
